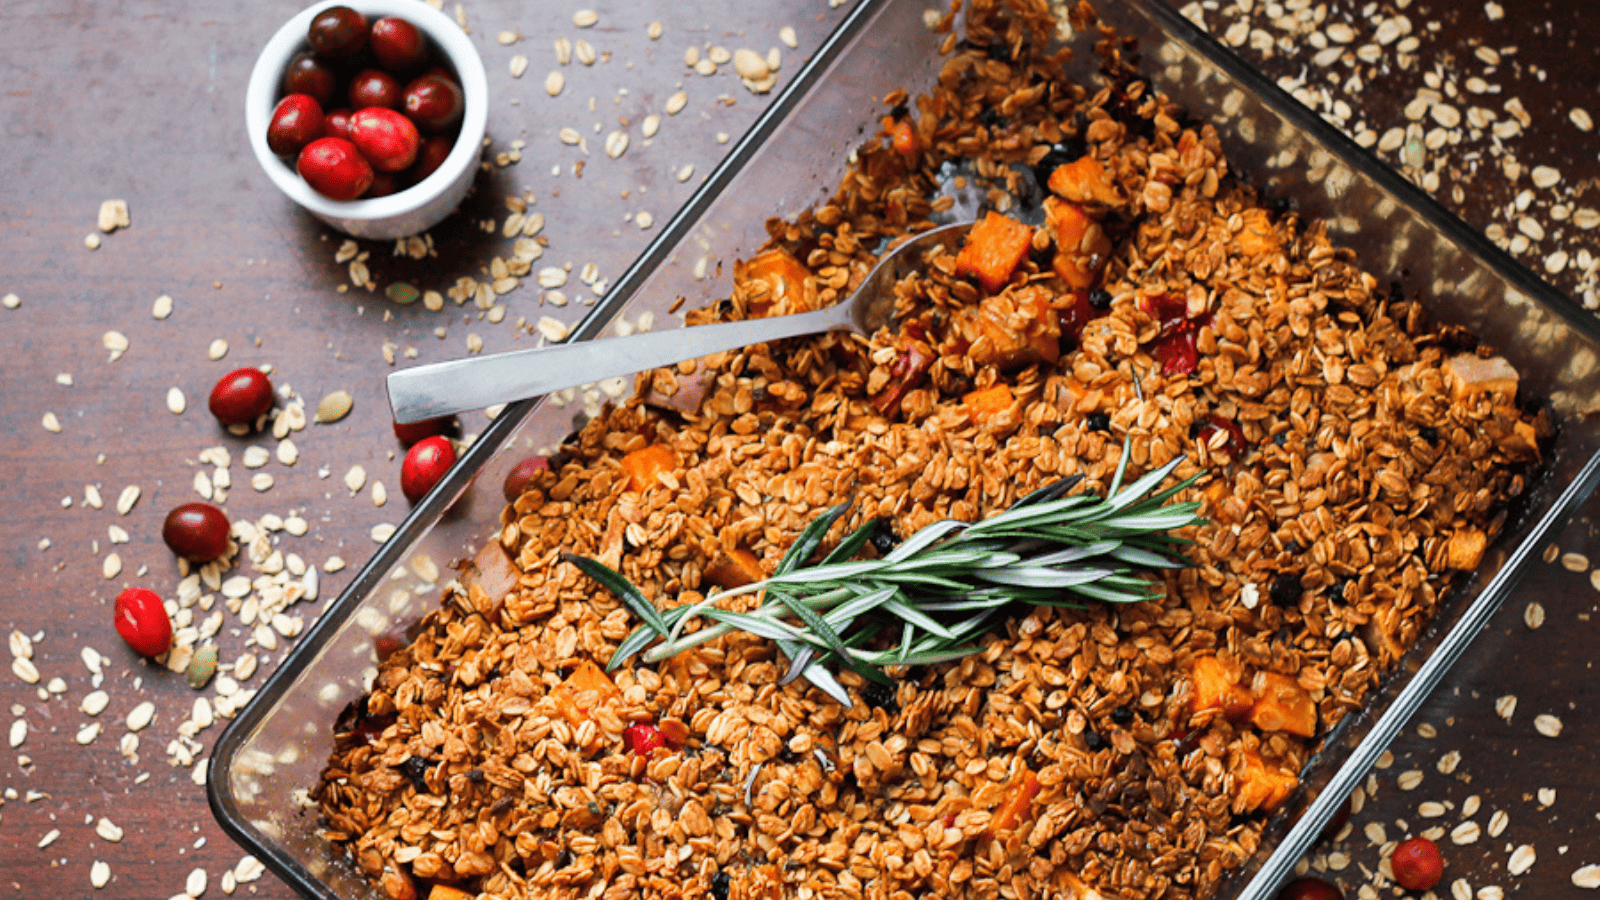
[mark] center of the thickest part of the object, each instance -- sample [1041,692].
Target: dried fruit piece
[643,738]
[141,618]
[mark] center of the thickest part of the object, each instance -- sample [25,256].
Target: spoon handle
[446,388]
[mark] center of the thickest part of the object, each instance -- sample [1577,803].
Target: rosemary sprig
[944,586]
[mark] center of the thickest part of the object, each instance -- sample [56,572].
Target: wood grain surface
[143,102]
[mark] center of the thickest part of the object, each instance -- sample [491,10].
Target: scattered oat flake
[1522,859]
[112,567]
[1465,833]
[51,423]
[1448,762]
[49,837]
[1574,562]
[108,830]
[127,499]
[552,329]
[141,715]
[1533,614]
[584,52]
[787,36]
[162,307]
[176,402]
[653,31]
[585,18]
[99,874]
[218,349]
[195,884]
[19,732]
[92,241]
[644,219]
[116,343]
[554,82]
[1587,876]
[1505,706]
[1498,822]
[355,479]
[113,215]
[10,301]
[616,143]
[382,532]
[1547,725]
[508,37]
[677,102]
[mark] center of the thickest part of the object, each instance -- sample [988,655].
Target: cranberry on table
[430,156]
[424,465]
[1417,864]
[241,396]
[336,123]
[374,87]
[397,44]
[643,738]
[411,432]
[296,121]
[141,618]
[1310,889]
[196,531]
[311,76]
[335,168]
[434,102]
[517,479]
[338,32]
[387,139]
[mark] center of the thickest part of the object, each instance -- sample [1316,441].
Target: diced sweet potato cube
[982,406]
[1216,686]
[1070,225]
[1084,180]
[902,134]
[735,568]
[1016,328]
[774,279]
[993,250]
[1465,548]
[1257,236]
[1282,705]
[445,892]
[645,465]
[1015,805]
[587,687]
[1259,783]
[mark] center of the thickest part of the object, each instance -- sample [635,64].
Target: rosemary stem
[675,643]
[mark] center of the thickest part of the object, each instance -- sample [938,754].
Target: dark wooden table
[144,103]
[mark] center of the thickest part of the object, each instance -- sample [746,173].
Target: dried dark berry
[884,538]
[719,886]
[880,696]
[1097,421]
[1336,590]
[1429,434]
[991,119]
[1286,589]
[416,768]
[476,776]
[1093,740]
[564,858]
[1122,715]
[900,111]
[1100,299]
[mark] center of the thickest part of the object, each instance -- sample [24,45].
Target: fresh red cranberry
[387,644]
[296,122]
[519,476]
[336,123]
[141,618]
[1234,444]
[411,432]
[642,738]
[241,396]
[424,465]
[430,156]
[387,139]
[311,76]
[1310,889]
[434,102]
[1417,864]
[374,87]
[398,45]
[196,531]
[338,32]
[335,168]
[1337,823]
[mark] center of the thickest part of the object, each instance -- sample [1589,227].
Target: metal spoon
[442,389]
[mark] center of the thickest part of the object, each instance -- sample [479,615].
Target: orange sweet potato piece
[445,892]
[1257,237]
[1216,686]
[775,279]
[1081,246]
[587,687]
[1084,180]
[1282,705]
[902,135]
[981,406]
[734,568]
[993,250]
[1260,783]
[1018,799]
[646,464]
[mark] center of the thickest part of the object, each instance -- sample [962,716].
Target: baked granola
[1351,458]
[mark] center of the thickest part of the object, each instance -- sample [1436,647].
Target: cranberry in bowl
[417,203]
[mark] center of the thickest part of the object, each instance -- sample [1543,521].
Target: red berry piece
[434,102]
[424,465]
[642,738]
[430,157]
[1076,317]
[338,32]
[1417,864]
[141,619]
[1234,444]
[311,76]
[241,396]
[519,476]
[374,87]
[196,531]
[336,123]
[335,168]
[1310,889]
[387,139]
[296,121]
[398,45]
[412,432]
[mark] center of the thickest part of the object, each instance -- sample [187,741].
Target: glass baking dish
[270,756]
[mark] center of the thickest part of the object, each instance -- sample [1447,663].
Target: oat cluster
[1075,753]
